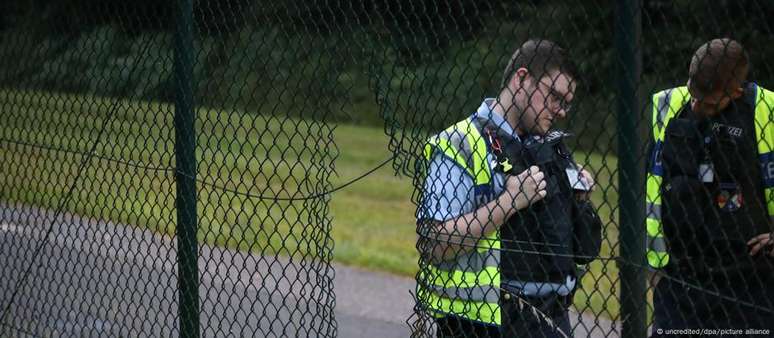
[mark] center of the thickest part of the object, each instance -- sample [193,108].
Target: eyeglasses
[557,99]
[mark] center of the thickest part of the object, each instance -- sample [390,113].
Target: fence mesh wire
[89,174]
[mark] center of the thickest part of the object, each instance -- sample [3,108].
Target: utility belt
[533,268]
[551,305]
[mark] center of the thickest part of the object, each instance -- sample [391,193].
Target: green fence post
[630,184]
[185,175]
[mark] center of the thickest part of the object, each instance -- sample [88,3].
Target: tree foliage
[417,64]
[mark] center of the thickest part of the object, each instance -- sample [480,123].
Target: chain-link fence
[553,280]
[144,195]
[167,168]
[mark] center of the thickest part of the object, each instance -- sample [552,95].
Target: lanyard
[494,142]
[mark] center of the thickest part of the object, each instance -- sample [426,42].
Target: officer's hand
[590,183]
[526,188]
[763,242]
[586,177]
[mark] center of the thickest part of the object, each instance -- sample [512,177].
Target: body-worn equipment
[468,286]
[710,184]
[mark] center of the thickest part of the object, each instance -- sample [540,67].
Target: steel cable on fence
[304,198]
[93,155]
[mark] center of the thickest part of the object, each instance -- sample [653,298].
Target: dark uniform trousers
[520,321]
[456,327]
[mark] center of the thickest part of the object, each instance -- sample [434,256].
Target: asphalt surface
[99,279]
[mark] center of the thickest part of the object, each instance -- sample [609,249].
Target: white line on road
[8,227]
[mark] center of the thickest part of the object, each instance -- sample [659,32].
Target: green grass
[371,221]
[598,293]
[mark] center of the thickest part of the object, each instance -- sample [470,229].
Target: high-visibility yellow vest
[468,286]
[666,104]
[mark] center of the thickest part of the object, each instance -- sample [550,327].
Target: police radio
[551,155]
[547,152]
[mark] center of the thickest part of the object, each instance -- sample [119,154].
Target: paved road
[109,280]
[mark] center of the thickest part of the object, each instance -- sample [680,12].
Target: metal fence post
[630,215]
[185,175]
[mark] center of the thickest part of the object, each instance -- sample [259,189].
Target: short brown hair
[718,65]
[539,57]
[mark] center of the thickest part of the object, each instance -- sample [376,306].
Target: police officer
[710,197]
[505,212]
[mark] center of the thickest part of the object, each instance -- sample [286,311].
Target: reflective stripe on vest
[666,104]
[468,286]
[764,135]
